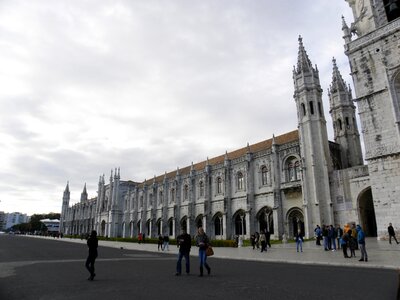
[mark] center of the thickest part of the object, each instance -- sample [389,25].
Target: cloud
[147,86]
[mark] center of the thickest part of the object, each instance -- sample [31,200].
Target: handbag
[209,251]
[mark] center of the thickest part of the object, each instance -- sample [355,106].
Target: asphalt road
[46,269]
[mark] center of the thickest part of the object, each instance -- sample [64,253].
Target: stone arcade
[295,180]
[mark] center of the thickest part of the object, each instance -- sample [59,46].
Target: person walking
[267,238]
[263,241]
[299,240]
[92,244]
[202,242]
[160,242]
[253,240]
[184,243]
[392,234]
[361,243]
[166,242]
[257,240]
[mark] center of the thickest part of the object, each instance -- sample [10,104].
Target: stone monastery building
[288,182]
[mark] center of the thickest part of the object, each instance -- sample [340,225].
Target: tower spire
[303,62]
[338,84]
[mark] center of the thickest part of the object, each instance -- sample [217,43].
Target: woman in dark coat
[92,243]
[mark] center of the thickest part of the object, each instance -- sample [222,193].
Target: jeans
[363,251]
[202,257]
[179,263]
[333,243]
[326,245]
[299,243]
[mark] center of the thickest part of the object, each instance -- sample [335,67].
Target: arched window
[292,169]
[304,109]
[186,192]
[151,200]
[392,9]
[160,198]
[201,186]
[240,181]
[264,175]
[340,124]
[172,200]
[218,225]
[219,185]
[170,227]
[311,107]
[297,170]
[396,96]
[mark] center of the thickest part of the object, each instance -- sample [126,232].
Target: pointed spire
[84,189]
[192,167]
[303,62]
[226,155]
[273,139]
[67,187]
[248,148]
[338,84]
[346,31]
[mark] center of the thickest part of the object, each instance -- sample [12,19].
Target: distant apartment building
[15,218]
[3,218]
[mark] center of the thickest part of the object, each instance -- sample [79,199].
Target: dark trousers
[390,239]
[179,263]
[90,264]
[344,247]
[263,246]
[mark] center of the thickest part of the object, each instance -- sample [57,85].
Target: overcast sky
[147,86]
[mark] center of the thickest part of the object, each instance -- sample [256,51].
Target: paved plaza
[48,268]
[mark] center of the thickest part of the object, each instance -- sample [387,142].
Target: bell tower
[374,54]
[314,147]
[343,113]
[64,208]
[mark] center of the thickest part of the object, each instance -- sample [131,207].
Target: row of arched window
[311,108]
[292,172]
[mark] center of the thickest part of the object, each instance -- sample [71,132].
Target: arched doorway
[218,224]
[367,212]
[295,221]
[240,223]
[159,229]
[265,219]
[199,221]
[183,224]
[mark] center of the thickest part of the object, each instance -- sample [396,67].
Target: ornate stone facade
[293,181]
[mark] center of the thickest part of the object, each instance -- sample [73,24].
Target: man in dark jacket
[392,234]
[92,243]
[184,242]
